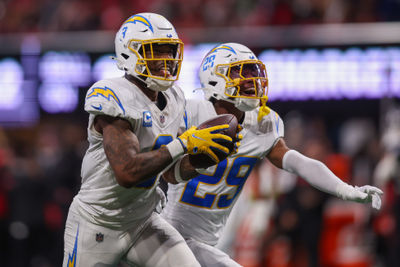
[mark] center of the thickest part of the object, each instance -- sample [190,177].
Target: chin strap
[158,85]
[264,110]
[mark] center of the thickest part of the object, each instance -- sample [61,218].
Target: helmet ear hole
[124,55]
[212,83]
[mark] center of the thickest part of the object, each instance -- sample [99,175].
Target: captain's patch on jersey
[147,121]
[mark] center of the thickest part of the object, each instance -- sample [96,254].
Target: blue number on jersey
[241,169]
[160,141]
[189,195]
[236,177]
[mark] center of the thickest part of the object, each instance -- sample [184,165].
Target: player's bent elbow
[124,183]
[127,181]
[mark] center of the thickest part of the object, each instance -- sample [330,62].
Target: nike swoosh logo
[99,107]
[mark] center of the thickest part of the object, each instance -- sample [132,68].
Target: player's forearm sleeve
[316,174]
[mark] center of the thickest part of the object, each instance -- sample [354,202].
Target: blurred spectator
[387,176]
[297,224]
[6,185]
[73,15]
[359,140]
[36,190]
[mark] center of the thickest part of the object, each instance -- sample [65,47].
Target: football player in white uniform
[235,81]
[133,125]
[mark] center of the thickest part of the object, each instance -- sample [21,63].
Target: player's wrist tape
[177,172]
[175,148]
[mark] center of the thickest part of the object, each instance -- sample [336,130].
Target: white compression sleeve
[317,174]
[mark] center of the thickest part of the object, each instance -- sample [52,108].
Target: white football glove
[363,194]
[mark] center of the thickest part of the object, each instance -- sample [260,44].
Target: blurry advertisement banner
[56,81]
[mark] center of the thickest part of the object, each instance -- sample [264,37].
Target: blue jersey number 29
[160,141]
[235,177]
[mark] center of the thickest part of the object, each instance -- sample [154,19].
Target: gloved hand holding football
[206,160]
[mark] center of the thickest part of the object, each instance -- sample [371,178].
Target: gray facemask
[247,104]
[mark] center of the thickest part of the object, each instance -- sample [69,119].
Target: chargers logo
[72,258]
[225,47]
[147,121]
[107,93]
[277,122]
[185,118]
[141,19]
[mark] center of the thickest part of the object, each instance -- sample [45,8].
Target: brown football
[203,160]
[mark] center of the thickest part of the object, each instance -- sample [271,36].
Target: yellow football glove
[239,138]
[201,141]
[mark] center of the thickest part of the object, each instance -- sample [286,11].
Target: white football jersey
[197,111]
[199,209]
[101,199]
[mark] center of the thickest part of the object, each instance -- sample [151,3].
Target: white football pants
[154,244]
[210,256]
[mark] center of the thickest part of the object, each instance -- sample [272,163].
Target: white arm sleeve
[316,174]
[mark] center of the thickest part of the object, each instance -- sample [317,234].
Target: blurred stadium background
[334,71]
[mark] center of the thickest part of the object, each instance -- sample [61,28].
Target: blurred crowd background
[61,15]
[279,221]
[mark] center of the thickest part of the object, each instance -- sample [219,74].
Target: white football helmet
[138,35]
[232,72]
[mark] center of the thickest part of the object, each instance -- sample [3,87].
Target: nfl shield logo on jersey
[147,122]
[162,118]
[99,237]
